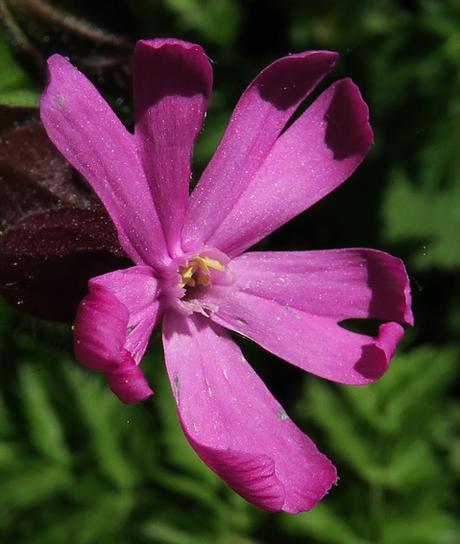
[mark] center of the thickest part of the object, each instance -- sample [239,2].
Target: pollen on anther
[197,271]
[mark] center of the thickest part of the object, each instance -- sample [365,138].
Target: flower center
[193,282]
[197,272]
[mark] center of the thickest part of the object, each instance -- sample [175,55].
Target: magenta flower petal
[315,155]
[193,273]
[113,327]
[129,384]
[315,344]
[234,423]
[291,303]
[259,117]
[336,283]
[172,84]
[90,136]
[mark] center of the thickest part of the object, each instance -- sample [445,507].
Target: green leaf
[189,487]
[218,20]
[31,485]
[103,415]
[324,525]
[5,423]
[159,532]
[414,385]
[424,528]
[9,456]
[16,88]
[413,465]
[430,222]
[99,522]
[328,409]
[43,423]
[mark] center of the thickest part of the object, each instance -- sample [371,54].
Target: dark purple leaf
[55,234]
[33,175]
[47,258]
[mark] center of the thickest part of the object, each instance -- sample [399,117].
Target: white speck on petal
[281,414]
[176,388]
[60,101]
[208,388]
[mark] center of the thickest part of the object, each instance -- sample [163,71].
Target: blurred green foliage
[16,88]
[76,466]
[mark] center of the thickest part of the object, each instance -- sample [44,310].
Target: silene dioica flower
[191,267]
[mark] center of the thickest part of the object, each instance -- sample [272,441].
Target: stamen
[186,273]
[198,271]
[206,263]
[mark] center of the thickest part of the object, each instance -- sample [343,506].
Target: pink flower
[191,270]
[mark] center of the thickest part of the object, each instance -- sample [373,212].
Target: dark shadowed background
[77,466]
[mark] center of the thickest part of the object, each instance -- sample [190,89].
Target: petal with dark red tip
[292,303]
[258,119]
[172,84]
[313,157]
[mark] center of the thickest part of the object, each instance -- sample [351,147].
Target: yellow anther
[206,263]
[197,271]
[186,273]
